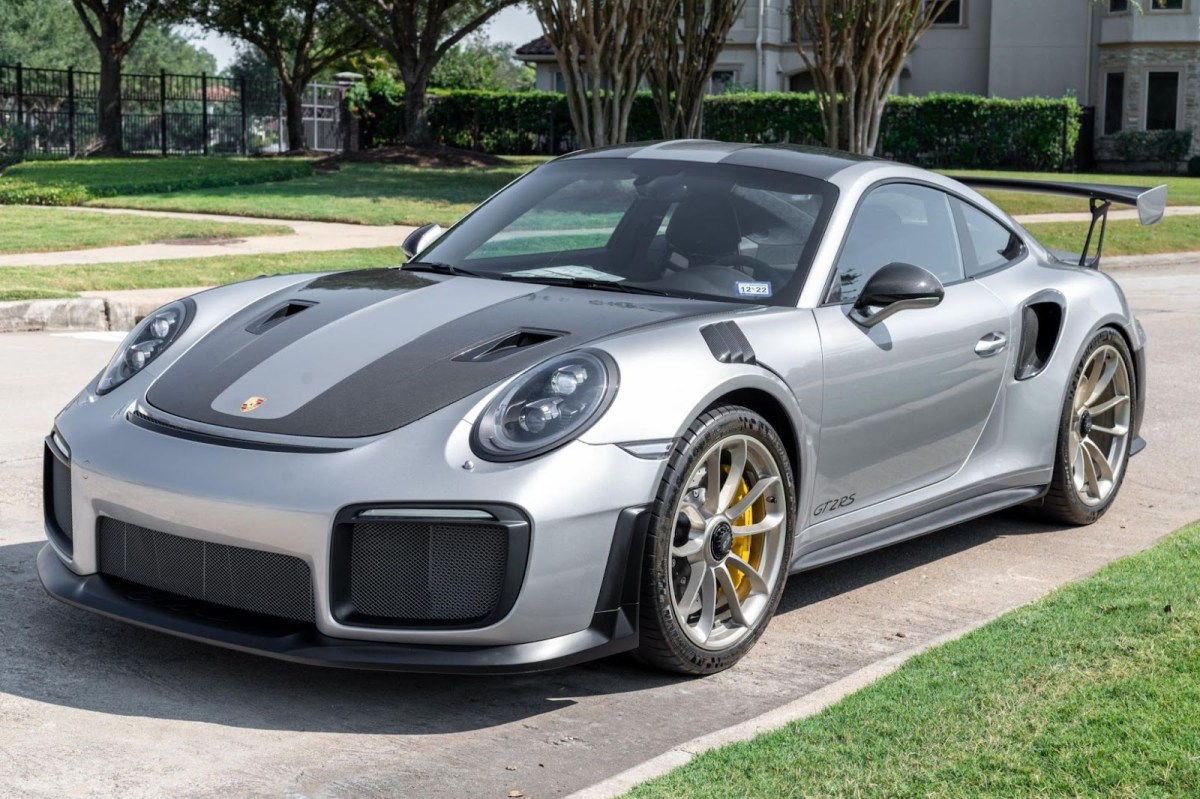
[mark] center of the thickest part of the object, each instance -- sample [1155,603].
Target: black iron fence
[56,112]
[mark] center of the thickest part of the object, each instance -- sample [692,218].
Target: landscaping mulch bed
[413,156]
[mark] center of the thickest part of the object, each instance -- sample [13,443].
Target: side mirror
[421,238]
[896,287]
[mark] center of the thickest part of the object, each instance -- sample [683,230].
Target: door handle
[991,344]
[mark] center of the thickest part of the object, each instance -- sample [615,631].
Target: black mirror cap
[412,242]
[899,282]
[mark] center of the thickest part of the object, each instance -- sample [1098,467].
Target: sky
[515,25]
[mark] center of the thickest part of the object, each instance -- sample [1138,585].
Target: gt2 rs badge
[252,403]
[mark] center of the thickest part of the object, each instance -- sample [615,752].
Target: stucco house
[1138,64]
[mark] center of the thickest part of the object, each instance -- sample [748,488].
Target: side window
[989,244]
[898,222]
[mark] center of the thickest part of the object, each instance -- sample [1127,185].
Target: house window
[1118,6]
[1162,100]
[1166,5]
[721,80]
[1114,102]
[951,15]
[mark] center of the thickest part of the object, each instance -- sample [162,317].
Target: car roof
[817,162]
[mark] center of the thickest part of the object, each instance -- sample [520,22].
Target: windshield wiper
[587,283]
[440,268]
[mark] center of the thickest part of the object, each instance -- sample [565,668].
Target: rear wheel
[719,545]
[1094,434]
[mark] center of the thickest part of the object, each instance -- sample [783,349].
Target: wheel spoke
[691,548]
[1118,430]
[770,522]
[695,581]
[1088,382]
[1108,405]
[708,604]
[1089,473]
[1101,467]
[757,583]
[712,491]
[733,480]
[1103,380]
[731,597]
[745,503]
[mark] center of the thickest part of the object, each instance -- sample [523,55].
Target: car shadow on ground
[64,656]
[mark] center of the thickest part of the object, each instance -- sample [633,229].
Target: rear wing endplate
[1151,204]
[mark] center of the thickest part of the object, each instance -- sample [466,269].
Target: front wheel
[1094,433]
[719,545]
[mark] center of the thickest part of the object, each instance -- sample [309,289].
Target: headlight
[547,406]
[147,341]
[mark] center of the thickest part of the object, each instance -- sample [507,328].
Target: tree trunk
[293,100]
[416,112]
[110,100]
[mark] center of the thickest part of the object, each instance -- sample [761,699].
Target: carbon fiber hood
[361,353]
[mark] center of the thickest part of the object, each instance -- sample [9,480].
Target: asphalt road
[91,707]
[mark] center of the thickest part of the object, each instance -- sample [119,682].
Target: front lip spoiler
[613,628]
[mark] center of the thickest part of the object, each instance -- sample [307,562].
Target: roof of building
[538,47]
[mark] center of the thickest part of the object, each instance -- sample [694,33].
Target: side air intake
[1041,323]
[728,343]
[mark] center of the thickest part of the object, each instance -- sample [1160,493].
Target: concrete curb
[805,706]
[116,311]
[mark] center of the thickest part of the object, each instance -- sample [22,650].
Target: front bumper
[613,628]
[577,597]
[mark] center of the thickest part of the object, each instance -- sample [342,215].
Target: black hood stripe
[417,376]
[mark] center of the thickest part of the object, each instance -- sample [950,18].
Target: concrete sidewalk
[1114,215]
[308,237]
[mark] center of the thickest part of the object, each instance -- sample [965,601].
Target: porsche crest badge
[252,403]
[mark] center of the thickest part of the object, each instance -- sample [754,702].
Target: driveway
[92,707]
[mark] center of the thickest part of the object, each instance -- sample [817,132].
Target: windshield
[708,231]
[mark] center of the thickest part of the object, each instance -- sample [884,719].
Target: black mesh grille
[236,577]
[427,572]
[57,478]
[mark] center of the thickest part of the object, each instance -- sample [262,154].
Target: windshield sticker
[582,272]
[748,289]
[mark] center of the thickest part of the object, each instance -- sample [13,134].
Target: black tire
[1062,502]
[662,642]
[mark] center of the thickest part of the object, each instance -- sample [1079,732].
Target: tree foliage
[32,32]
[483,66]
[300,39]
[418,34]
[854,51]
[599,45]
[680,59]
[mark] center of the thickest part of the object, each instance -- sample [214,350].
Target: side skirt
[938,519]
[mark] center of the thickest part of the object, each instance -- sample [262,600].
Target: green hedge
[942,130]
[1166,147]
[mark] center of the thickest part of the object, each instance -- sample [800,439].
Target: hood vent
[508,344]
[277,315]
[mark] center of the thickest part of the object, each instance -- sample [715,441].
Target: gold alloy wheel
[1099,432]
[728,543]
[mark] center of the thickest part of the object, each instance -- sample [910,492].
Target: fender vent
[1040,326]
[507,344]
[277,315]
[728,343]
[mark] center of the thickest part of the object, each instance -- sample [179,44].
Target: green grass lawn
[51,229]
[1092,691]
[74,182]
[1124,236]
[32,282]
[369,194]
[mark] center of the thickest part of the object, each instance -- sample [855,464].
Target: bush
[944,131]
[1193,167]
[22,192]
[1165,147]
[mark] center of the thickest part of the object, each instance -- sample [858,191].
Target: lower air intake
[234,577]
[427,572]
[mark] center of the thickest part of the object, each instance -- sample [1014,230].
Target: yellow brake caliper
[743,546]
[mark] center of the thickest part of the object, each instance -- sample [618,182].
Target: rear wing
[1151,204]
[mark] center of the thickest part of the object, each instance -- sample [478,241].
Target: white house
[1139,65]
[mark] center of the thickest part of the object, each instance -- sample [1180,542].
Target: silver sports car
[612,409]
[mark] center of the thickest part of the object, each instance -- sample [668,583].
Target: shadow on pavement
[64,656]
